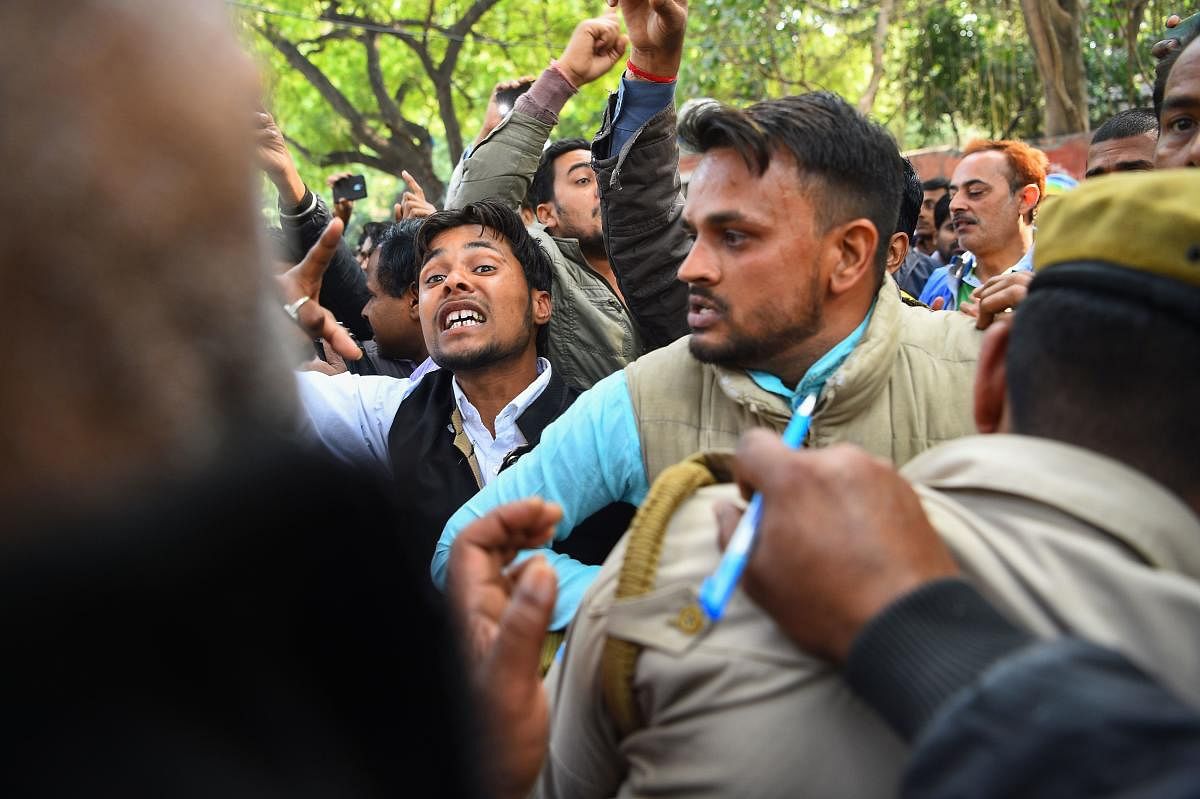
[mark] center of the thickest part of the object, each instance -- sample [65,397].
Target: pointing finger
[412,184]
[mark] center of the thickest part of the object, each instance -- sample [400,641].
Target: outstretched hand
[842,536]
[413,204]
[998,295]
[275,159]
[343,209]
[656,29]
[505,613]
[595,47]
[304,280]
[492,116]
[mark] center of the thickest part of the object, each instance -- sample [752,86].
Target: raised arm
[501,167]
[304,216]
[637,168]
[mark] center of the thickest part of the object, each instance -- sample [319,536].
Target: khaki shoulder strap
[639,571]
[464,445]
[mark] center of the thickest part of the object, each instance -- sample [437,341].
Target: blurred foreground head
[131,268]
[1104,353]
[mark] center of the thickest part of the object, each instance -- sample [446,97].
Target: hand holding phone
[506,98]
[351,187]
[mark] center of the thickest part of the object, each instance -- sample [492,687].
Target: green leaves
[952,68]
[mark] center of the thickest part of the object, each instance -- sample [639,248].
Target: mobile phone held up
[505,98]
[351,187]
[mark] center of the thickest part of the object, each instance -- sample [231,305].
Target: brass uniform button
[690,620]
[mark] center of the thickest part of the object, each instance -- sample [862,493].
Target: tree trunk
[1053,27]
[878,46]
[1133,50]
[409,148]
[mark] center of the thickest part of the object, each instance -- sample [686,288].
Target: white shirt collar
[516,405]
[490,450]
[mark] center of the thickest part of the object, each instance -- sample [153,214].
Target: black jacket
[992,712]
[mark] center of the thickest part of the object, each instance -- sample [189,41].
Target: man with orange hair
[994,195]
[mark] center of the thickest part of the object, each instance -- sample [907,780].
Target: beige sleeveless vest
[906,387]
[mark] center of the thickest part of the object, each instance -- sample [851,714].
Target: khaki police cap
[1137,234]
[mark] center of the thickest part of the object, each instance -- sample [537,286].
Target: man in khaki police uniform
[1079,516]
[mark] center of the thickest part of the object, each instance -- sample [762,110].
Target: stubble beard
[591,242]
[489,354]
[741,351]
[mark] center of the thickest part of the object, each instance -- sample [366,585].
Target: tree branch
[387,108]
[878,43]
[313,74]
[333,35]
[445,70]
[337,157]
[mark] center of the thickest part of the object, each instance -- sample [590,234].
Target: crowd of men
[438,526]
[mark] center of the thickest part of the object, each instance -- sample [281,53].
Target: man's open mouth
[702,312]
[463,318]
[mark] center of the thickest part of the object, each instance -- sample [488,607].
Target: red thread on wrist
[638,72]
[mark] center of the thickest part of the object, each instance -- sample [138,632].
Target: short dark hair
[910,200]
[1070,354]
[542,188]
[1123,124]
[396,269]
[1162,70]
[941,211]
[855,162]
[500,218]
[373,231]
[935,184]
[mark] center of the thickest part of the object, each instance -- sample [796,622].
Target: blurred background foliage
[374,86]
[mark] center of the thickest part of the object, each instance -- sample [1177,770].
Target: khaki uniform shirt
[1060,539]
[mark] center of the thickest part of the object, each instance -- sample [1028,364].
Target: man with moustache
[994,195]
[483,290]
[787,217]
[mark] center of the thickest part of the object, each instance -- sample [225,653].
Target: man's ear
[991,384]
[854,244]
[542,306]
[546,214]
[897,252]
[1029,198]
[414,302]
